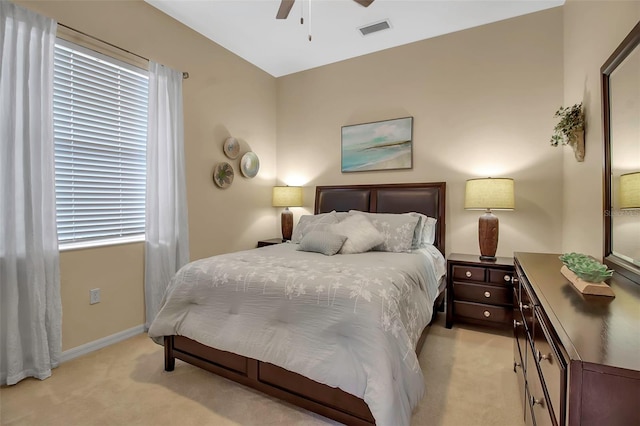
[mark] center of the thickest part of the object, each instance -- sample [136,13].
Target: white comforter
[348,321]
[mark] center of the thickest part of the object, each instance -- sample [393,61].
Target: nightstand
[270,242]
[479,291]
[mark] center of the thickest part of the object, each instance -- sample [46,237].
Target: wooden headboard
[425,198]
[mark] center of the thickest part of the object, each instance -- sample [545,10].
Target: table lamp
[287,196]
[630,191]
[486,194]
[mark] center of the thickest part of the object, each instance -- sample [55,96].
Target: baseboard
[100,343]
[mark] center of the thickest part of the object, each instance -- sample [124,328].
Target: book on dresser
[577,356]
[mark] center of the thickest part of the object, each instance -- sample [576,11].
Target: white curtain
[167,239]
[30,306]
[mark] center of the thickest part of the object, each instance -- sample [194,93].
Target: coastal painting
[383,145]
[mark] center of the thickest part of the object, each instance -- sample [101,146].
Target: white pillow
[322,242]
[398,230]
[308,223]
[429,231]
[361,235]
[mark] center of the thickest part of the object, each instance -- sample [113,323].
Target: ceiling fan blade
[364,3]
[285,8]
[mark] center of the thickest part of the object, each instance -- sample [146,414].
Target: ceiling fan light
[375,27]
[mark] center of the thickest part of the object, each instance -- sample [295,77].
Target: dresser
[479,291]
[577,357]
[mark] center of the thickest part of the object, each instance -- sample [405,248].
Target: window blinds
[100,129]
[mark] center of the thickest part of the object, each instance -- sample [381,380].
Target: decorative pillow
[322,242]
[361,235]
[341,216]
[425,230]
[308,223]
[417,233]
[429,231]
[397,229]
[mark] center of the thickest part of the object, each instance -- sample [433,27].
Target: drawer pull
[535,401]
[487,314]
[516,364]
[468,274]
[487,294]
[515,280]
[524,307]
[542,356]
[516,324]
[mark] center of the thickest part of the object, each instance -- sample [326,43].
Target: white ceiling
[249,29]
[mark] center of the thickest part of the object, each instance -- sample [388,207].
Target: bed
[239,359]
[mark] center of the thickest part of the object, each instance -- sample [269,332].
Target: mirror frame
[622,266]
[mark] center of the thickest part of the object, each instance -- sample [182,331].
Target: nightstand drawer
[270,242]
[498,276]
[493,295]
[480,311]
[468,273]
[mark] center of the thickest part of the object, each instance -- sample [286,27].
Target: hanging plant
[570,129]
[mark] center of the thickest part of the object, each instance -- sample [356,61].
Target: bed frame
[426,198]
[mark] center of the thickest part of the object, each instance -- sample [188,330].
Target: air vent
[374,28]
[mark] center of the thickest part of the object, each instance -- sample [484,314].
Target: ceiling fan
[286,5]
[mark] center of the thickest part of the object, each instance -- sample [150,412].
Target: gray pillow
[425,233]
[308,223]
[322,242]
[361,235]
[397,229]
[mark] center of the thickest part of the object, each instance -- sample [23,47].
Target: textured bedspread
[348,321]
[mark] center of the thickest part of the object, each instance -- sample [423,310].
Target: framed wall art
[382,145]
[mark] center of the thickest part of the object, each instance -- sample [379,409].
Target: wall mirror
[621,125]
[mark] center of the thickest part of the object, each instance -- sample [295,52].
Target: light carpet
[468,376]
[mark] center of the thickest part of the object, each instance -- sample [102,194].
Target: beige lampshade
[489,193]
[630,191]
[287,196]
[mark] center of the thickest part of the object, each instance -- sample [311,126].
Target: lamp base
[488,235]
[488,258]
[286,220]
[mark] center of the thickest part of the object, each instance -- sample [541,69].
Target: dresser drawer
[498,276]
[520,341]
[480,293]
[537,399]
[480,311]
[551,365]
[525,306]
[468,273]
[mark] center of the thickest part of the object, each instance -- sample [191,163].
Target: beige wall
[224,96]
[592,31]
[482,101]
[118,271]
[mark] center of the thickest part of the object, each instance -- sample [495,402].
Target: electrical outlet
[94,296]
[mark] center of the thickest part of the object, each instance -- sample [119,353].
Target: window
[100,130]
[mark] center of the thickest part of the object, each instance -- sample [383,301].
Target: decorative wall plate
[223,175]
[231,148]
[249,164]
